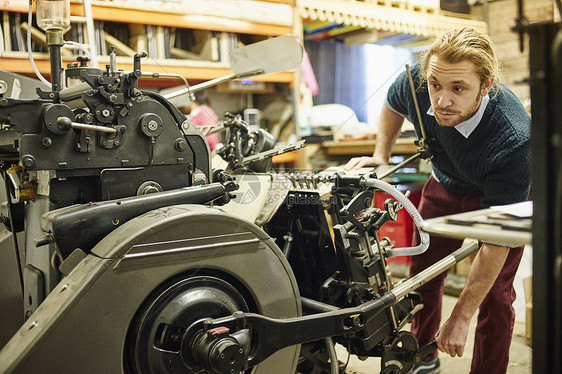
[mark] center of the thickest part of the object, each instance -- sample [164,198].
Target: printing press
[135,255]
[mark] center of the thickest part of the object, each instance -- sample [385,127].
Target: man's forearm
[389,128]
[487,265]
[483,273]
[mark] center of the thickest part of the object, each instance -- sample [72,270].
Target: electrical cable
[411,209]
[12,227]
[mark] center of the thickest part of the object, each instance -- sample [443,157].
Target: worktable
[349,148]
[503,224]
[366,147]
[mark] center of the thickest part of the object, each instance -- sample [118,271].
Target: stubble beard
[459,116]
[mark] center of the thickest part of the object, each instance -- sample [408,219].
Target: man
[479,136]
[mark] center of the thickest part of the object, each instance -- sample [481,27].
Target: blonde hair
[465,44]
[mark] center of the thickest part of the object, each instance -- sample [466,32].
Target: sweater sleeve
[399,96]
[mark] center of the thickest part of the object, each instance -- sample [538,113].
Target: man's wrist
[380,159]
[461,314]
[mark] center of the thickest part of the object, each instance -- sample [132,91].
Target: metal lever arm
[416,357]
[270,335]
[422,142]
[65,122]
[274,334]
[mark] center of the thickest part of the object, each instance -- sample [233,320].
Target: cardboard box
[528,286]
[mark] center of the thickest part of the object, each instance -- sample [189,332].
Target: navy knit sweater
[493,162]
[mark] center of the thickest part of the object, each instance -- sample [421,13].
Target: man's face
[455,90]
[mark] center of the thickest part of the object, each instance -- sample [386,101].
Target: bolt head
[46,142]
[181,145]
[28,162]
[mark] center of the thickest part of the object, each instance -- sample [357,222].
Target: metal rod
[55,42]
[186,90]
[211,83]
[317,306]
[402,289]
[394,168]
[413,89]
[83,126]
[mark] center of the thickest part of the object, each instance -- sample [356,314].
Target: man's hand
[451,338]
[360,162]
[483,273]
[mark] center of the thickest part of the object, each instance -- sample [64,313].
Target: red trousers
[496,315]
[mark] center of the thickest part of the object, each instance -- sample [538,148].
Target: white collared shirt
[466,128]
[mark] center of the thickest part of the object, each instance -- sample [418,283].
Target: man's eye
[458,89]
[434,86]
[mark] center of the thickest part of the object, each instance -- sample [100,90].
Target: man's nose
[444,100]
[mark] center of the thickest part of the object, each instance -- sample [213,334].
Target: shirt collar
[466,127]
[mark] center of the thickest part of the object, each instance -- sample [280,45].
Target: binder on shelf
[1,37]
[80,32]
[167,42]
[6,27]
[160,43]
[17,32]
[100,40]
[227,43]
[12,30]
[152,47]
[86,36]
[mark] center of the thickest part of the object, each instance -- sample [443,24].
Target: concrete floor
[519,358]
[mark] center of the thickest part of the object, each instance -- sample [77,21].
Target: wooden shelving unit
[19,62]
[398,16]
[195,21]
[128,12]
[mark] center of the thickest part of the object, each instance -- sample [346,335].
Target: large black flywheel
[154,341]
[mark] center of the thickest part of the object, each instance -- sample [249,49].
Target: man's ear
[486,86]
